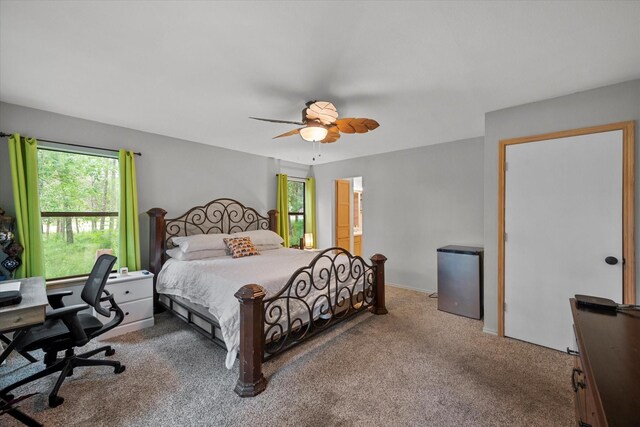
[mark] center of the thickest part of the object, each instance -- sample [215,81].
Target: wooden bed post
[379,308]
[156,248]
[251,382]
[273,220]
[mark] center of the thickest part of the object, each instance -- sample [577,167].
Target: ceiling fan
[321,123]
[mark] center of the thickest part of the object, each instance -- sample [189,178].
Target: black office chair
[65,329]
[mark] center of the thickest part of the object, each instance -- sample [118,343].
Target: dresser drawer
[131,290]
[133,311]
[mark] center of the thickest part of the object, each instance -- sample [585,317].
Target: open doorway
[349,224]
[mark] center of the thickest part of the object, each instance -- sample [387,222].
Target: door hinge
[506,166]
[504,306]
[505,236]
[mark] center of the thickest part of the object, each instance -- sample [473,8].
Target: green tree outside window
[79,200]
[296,211]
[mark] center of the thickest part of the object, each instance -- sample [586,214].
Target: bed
[257,307]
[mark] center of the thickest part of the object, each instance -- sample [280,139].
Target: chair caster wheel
[110,352]
[55,401]
[119,369]
[8,397]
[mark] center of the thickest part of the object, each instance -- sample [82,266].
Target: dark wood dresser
[606,378]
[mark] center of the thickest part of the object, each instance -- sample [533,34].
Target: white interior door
[563,217]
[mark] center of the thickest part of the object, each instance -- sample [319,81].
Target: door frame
[349,210]
[628,205]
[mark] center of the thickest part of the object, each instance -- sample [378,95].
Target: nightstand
[134,294]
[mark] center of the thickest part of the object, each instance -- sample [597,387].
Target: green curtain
[310,209]
[129,250]
[282,205]
[23,158]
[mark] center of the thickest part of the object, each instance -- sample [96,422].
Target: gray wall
[414,201]
[172,174]
[616,103]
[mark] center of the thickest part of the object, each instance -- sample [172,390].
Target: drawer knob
[127,313]
[126,292]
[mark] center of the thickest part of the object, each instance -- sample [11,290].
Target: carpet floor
[415,366]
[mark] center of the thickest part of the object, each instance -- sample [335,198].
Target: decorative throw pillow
[241,247]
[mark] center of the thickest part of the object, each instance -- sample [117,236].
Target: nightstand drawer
[131,290]
[133,311]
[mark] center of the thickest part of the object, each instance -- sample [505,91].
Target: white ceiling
[427,71]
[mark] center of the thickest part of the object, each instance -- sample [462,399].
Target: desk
[21,317]
[30,311]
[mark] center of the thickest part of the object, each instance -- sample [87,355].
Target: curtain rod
[6,135]
[291,176]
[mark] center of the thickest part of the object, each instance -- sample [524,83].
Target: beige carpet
[415,366]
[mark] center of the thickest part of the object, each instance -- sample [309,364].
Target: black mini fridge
[460,280]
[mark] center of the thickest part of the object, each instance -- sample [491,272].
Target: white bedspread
[213,282]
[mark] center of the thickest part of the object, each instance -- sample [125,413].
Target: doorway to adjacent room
[348,215]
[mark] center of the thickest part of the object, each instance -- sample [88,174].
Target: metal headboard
[217,216]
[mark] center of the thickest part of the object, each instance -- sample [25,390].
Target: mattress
[213,282]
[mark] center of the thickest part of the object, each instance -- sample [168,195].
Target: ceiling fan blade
[332,136]
[277,121]
[355,125]
[322,111]
[291,132]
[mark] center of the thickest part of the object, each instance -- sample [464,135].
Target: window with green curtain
[310,209]
[23,160]
[129,224]
[297,220]
[282,205]
[296,209]
[71,206]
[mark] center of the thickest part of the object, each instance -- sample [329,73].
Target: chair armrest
[119,314]
[69,316]
[66,311]
[55,298]
[108,297]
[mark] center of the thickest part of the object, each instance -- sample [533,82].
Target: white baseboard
[395,285]
[489,331]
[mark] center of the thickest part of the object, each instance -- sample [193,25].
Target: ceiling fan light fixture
[321,123]
[313,132]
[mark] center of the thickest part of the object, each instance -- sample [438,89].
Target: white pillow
[261,237]
[261,248]
[176,253]
[200,242]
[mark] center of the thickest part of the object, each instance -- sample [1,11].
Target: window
[79,199]
[296,211]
